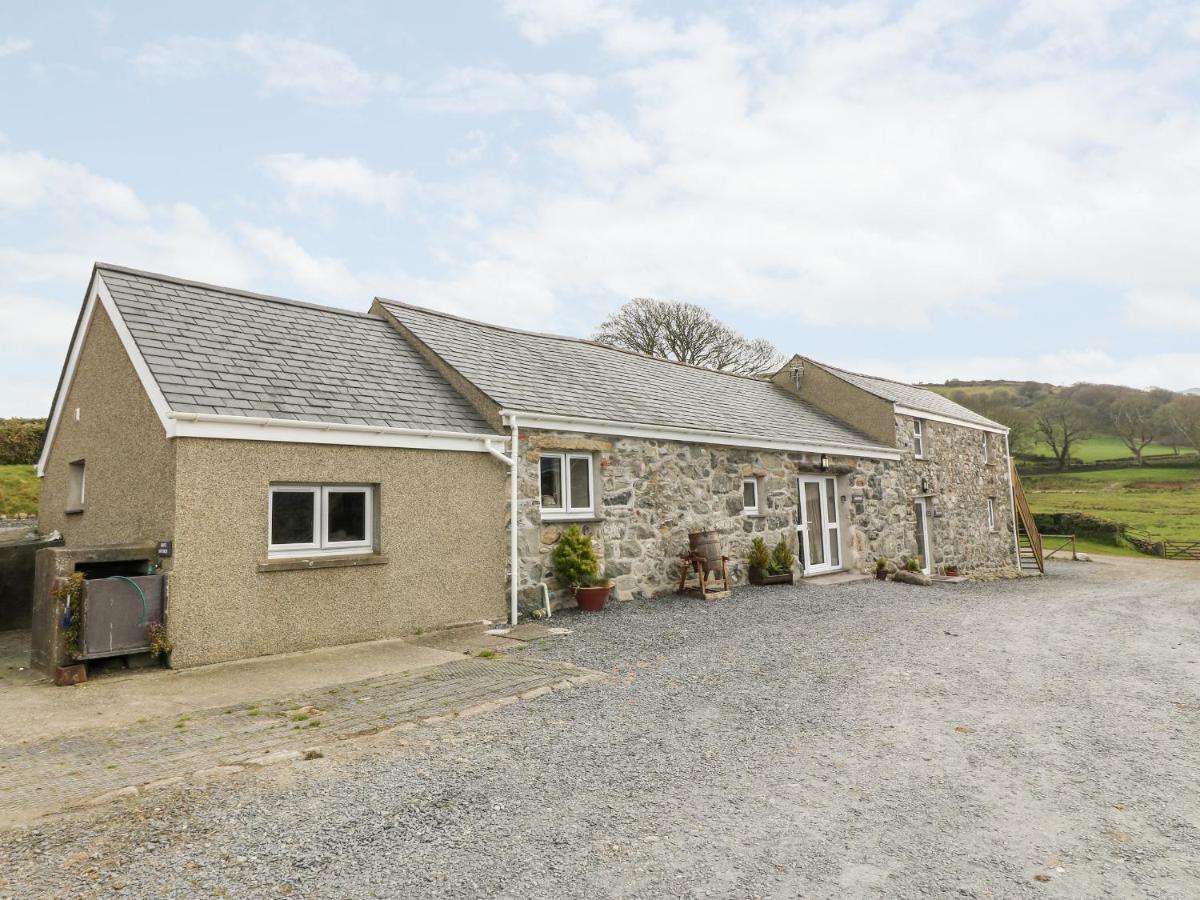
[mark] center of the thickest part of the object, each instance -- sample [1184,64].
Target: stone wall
[959,483]
[650,493]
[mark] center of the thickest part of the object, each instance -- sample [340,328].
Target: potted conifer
[770,567]
[576,566]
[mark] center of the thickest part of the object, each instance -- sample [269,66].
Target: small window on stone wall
[566,485]
[991,514]
[986,450]
[918,438]
[750,504]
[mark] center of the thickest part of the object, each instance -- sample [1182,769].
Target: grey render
[910,396]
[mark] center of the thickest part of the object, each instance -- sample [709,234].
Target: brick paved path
[70,769]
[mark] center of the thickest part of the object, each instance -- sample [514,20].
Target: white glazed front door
[819,526]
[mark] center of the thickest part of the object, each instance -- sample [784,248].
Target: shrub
[21,441]
[912,564]
[782,557]
[760,556]
[575,561]
[881,564]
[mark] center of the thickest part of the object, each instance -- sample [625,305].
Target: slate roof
[223,351]
[542,373]
[911,396]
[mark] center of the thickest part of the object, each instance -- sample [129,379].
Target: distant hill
[1192,391]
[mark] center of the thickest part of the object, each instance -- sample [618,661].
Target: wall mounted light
[824,462]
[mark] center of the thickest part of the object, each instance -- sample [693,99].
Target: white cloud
[1164,312]
[492,91]
[347,177]
[31,180]
[11,46]
[892,161]
[283,65]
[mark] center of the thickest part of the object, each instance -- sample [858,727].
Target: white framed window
[76,486]
[986,450]
[566,485]
[918,438]
[311,519]
[750,504]
[991,514]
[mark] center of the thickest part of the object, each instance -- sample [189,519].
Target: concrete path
[33,709]
[96,765]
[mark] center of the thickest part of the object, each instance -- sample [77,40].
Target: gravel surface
[1029,738]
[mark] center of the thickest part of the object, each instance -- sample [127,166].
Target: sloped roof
[911,396]
[229,352]
[543,373]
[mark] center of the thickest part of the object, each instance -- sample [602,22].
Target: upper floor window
[76,486]
[308,519]
[986,450]
[750,496]
[566,485]
[991,513]
[918,438]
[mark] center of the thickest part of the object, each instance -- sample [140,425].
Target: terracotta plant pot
[592,599]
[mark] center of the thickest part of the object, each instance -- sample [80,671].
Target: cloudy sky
[927,190]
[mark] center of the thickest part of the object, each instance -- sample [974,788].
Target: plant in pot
[576,565]
[881,568]
[951,571]
[770,566]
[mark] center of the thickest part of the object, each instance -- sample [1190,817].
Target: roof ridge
[872,377]
[563,337]
[253,295]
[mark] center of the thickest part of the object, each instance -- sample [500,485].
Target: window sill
[296,563]
[73,511]
[753,514]
[580,519]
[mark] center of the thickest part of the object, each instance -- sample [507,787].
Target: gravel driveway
[1031,738]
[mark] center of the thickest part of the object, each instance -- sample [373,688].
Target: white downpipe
[1012,502]
[514,564]
[545,597]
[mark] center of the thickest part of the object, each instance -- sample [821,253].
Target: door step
[835,578]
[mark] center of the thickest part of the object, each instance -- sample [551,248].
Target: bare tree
[1060,423]
[687,333]
[1182,418]
[1135,420]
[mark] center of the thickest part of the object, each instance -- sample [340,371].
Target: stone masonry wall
[650,493]
[959,483]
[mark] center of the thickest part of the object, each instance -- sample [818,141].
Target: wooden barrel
[706,544]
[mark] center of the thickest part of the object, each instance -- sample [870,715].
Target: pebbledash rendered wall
[651,493]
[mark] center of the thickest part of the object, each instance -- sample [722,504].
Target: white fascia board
[99,295]
[550,422]
[294,431]
[949,420]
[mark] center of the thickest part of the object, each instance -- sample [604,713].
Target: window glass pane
[347,515]
[835,552]
[831,500]
[581,483]
[552,497]
[292,517]
[750,494]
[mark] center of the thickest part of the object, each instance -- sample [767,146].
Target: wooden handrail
[1025,518]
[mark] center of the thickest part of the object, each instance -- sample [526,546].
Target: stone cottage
[306,476]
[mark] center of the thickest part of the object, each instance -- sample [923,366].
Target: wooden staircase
[1029,539]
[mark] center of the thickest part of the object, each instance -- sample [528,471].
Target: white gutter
[261,428]
[553,422]
[951,420]
[1012,499]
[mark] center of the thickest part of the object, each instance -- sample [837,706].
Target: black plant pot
[762,576]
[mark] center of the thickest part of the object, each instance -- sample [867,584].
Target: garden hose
[136,587]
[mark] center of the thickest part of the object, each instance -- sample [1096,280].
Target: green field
[1103,447]
[1163,503]
[18,491]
